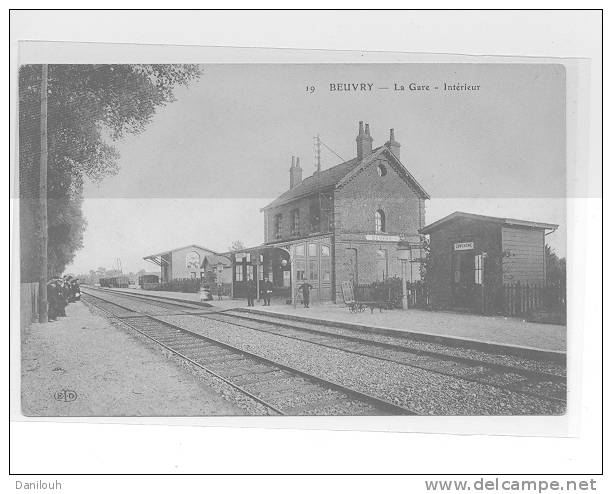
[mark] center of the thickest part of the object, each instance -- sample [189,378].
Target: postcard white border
[586,157]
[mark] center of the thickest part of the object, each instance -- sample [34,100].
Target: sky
[209,161]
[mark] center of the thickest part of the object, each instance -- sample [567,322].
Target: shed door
[465,288]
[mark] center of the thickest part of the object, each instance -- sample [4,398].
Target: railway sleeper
[256,379]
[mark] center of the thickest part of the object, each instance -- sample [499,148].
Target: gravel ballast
[419,390]
[416,344]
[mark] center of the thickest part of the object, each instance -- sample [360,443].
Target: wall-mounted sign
[383,238]
[464,245]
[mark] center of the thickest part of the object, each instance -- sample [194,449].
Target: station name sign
[383,238]
[464,245]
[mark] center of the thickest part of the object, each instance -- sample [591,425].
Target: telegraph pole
[42,197]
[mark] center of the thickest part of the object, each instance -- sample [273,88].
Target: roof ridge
[484,217]
[305,187]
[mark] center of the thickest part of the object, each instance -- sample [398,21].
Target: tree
[89,106]
[555,266]
[425,264]
[236,246]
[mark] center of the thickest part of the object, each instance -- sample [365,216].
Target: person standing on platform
[219,290]
[305,289]
[251,292]
[62,296]
[53,299]
[76,289]
[267,291]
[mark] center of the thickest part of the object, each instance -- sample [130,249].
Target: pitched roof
[331,177]
[321,180]
[181,248]
[491,219]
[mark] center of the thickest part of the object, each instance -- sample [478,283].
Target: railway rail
[283,390]
[505,377]
[543,385]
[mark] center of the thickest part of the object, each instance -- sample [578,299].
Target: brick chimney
[393,145]
[364,141]
[295,172]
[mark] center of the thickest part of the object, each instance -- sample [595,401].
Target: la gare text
[409,86]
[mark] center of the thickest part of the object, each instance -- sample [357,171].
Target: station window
[312,250]
[382,170]
[313,271]
[295,222]
[315,215]
[249,272]
[239,272]
[379,218]
[325,270]
[478,269]
[299,250]
[325,250]
[278,222]
[300,270]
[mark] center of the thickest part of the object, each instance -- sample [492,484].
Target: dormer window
[382,170]
[379,218]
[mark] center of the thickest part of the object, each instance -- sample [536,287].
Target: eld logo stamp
[65,395]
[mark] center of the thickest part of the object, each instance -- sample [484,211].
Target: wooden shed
[473,256]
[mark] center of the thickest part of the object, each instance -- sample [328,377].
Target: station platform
[109,372]
[488,330]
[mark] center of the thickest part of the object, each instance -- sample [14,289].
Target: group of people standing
[61,292]
[266,291]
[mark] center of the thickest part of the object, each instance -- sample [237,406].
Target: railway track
[538,384]
[283,390]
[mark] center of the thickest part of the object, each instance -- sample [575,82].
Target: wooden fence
[518,299]
[522,298]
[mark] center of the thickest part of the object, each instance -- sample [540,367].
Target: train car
[115,282]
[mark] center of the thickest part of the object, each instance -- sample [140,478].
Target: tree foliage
[555,266]
[89,107]
[236,246]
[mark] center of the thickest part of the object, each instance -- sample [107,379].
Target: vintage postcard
[292,239]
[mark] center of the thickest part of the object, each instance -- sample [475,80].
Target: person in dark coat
[53,299]
[62,297]
[305,289]
[76,290]
[267,291]
[251,292]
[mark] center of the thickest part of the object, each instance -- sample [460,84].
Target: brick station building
[350,222]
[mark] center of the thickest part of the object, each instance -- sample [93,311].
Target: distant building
[471,254]
[192,261]
[345,223]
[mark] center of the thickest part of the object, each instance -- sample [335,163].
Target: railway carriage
[115,282]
